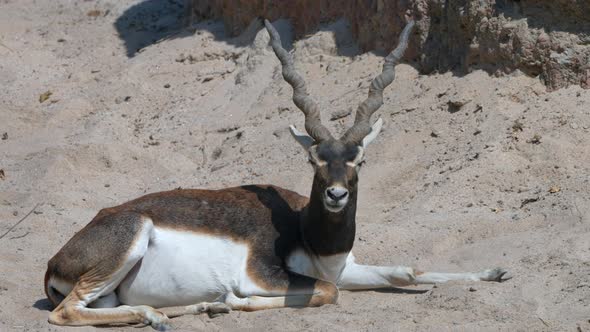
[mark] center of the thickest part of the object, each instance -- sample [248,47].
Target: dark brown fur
[81,253]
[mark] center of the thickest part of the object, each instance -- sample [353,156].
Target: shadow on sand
[43,305]
[151,21]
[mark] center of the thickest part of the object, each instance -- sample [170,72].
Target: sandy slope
[446,187]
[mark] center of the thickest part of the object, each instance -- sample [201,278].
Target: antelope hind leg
[119,242]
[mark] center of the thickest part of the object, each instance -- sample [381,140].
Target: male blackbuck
[246,248]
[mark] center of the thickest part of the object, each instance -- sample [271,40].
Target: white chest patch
[328,268]
[183,268]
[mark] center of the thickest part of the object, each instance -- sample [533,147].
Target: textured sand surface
[469,173]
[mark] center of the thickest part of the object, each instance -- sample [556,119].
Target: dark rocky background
[549,38]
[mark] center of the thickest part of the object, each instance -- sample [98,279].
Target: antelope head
[337,162]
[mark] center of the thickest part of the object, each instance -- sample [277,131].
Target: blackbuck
[246,248]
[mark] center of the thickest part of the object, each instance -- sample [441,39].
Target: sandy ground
[470,172]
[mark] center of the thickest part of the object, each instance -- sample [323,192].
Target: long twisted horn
[313,122]
[362,125]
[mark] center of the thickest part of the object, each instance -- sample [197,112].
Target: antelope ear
[302,138]
[375,130]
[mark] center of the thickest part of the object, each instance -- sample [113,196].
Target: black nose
[336,193]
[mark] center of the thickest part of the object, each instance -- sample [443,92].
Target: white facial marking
[313,157]
[358,159]
[334,205]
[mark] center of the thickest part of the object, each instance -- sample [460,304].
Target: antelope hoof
[216,309]
[497,274]
[157,320]
[161,324]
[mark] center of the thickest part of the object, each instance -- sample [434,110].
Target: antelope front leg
[356,276]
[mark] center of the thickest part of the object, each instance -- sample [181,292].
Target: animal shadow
[43,305]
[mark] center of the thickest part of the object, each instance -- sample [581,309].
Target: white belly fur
[183,268]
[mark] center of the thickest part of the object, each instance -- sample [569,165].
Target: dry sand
[470,172]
